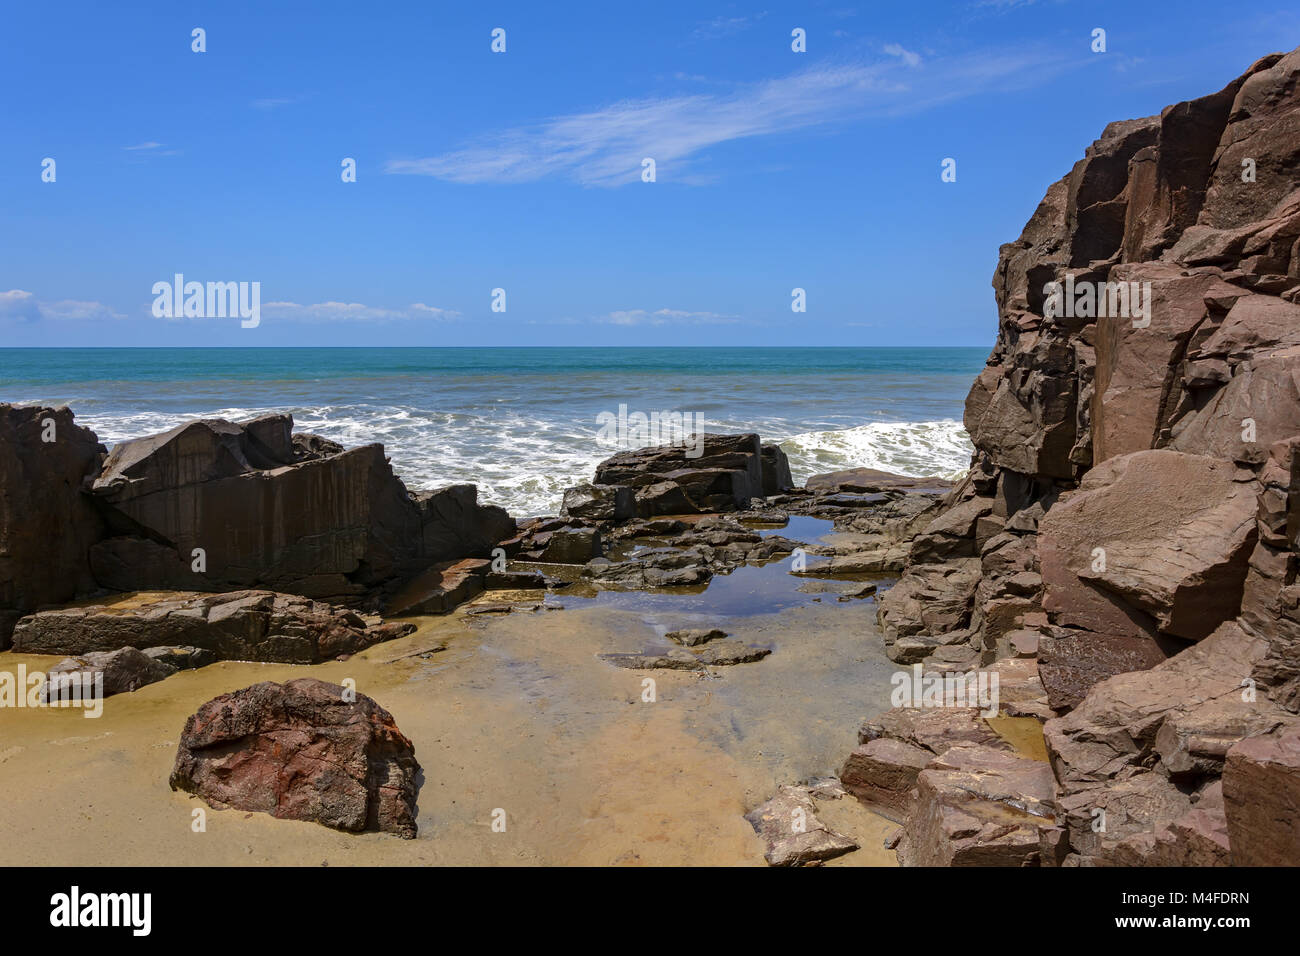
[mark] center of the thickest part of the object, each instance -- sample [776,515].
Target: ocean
[525,423]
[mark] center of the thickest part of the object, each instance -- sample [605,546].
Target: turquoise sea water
[524,423]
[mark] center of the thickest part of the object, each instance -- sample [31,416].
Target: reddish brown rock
[1142,467]
[977,806]
[1113,732]
[1115,554]
[1197,838]
[1261,791]
[882,773]
[1136,363]
[793,834]
[932,728]
[301,751]
[1071,661]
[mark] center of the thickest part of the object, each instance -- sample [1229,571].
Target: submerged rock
[714,654]
[691,637]
[301,751]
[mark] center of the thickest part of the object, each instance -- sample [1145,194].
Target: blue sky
[522,170]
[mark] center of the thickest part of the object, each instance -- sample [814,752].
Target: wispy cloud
[605,147]
[666,317]
[354,312]
[725,26]
[19,305]
[142,150]
[907,56]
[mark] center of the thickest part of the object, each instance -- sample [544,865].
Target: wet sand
[517,713]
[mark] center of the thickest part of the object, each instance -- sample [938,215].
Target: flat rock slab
[693,637]
[714,654]
[440,589]
[794,836]
[872,480]
[235,626]
[301,750]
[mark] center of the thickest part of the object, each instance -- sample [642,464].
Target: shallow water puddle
[750,589]
[512,712]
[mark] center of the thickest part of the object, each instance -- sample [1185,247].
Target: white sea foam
[921,449]
[525,463]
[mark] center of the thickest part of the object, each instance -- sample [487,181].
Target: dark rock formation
[216,506]
[47,524]
[213,505]
[238,626]
[731,470]
[114,672]
[302,750]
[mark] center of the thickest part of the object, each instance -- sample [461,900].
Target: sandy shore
[516,713]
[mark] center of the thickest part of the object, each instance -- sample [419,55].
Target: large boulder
[47,525]
[302,750]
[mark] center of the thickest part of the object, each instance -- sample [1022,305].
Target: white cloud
[605,147]
[725,26]
[666,317]
[17,304]
[907,56]
[353,312]
[148,145]
[24,306]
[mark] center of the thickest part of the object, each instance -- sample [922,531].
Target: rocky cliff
[1134,500]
